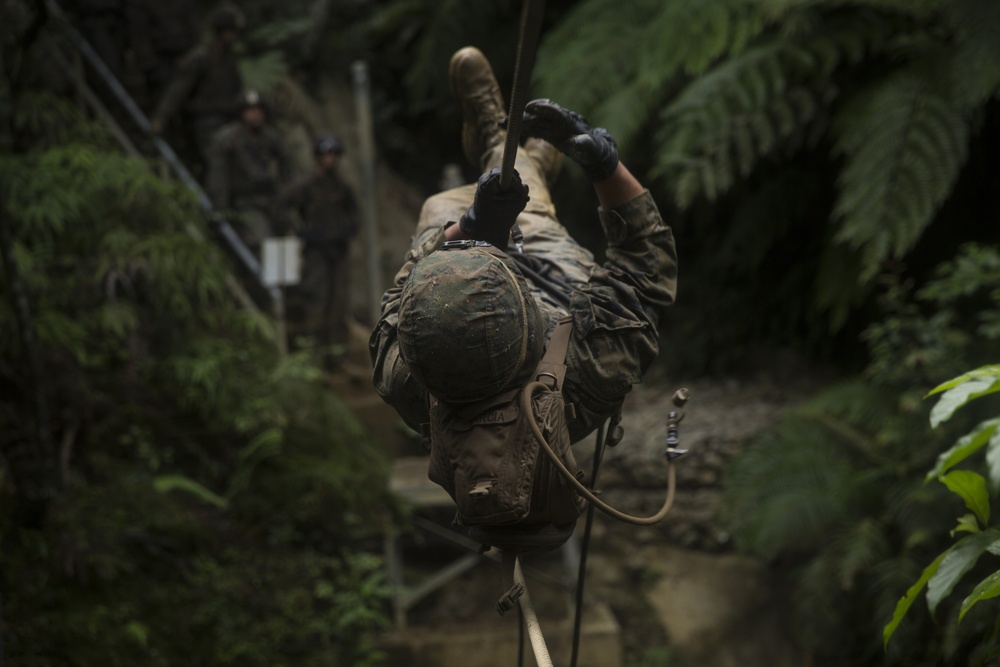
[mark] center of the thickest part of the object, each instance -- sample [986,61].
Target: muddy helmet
[468,326]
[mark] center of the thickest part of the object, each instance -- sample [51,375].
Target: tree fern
[624,87]
[904,144]
[975,68]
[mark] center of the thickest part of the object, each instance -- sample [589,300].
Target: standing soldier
[207,85]
[247,165]
[159,35]
[328,212]
[101,23]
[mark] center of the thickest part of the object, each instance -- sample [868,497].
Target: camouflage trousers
[544,235]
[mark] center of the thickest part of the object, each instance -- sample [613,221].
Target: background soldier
[207,85]
[328,212]
[102,24]
[247,165]
[160,34]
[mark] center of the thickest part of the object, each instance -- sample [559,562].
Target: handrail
[226,230]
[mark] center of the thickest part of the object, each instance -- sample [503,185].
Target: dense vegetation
[826,166]
[173,492]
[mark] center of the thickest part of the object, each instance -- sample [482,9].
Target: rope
[668,502]
[531,28]
[531,621]
[599,446]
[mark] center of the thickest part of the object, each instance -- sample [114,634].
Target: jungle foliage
[814,143]
[839,497]
[172,491]
[826,166]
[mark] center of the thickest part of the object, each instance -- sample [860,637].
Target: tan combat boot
[475,86]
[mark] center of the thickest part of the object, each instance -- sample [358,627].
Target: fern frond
[727,120]
[688,37]
[904,145]
[976,64]
[581,61]
[860,547]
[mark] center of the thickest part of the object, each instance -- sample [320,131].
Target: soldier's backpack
[487,457]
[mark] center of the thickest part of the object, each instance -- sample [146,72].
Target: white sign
[282,260]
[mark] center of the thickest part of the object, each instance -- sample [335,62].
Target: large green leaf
[993,459]
[959,560]
[971,488]
[906,601]
[958,396]
[966,446]
[986,589]
[984,372]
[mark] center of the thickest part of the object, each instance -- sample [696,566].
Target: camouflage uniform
[329,214]
[159,34]
[616,308]
[101,23]
[207,89]
[245,171]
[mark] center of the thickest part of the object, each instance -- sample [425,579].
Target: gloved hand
[594,149]
[494,211]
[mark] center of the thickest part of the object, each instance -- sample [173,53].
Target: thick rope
[531,29]
[531,621]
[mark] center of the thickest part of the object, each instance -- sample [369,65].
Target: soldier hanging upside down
[452,325]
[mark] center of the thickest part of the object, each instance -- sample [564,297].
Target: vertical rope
[531,28]
[538,646]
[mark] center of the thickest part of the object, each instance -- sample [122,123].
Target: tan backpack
[488,458]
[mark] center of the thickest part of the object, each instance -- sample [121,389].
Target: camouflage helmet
[252,98]
[328,144]
[468,327]
[227,17]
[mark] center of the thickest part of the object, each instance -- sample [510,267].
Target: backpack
[485,455]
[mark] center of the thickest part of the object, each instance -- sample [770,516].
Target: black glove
[594,149]
[494,211]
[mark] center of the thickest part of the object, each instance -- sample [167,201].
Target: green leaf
[966,446]
[993,457]
[967,523]
[138,631]
[906,601]
[986,589]
[972,489]
[985,371]
[959,560]
[958,396]
[166,483]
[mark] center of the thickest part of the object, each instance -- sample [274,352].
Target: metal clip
[509,599]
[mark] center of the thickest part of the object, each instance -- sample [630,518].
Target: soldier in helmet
[247,166]
[159,35]
[328,215]
[206,86]
[469,314]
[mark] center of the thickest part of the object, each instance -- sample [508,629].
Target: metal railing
[228,236]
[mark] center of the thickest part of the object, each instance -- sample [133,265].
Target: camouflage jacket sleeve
[391,377]
[218,177]
[295,197]
[181,85]
[139,34]
[617,314]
